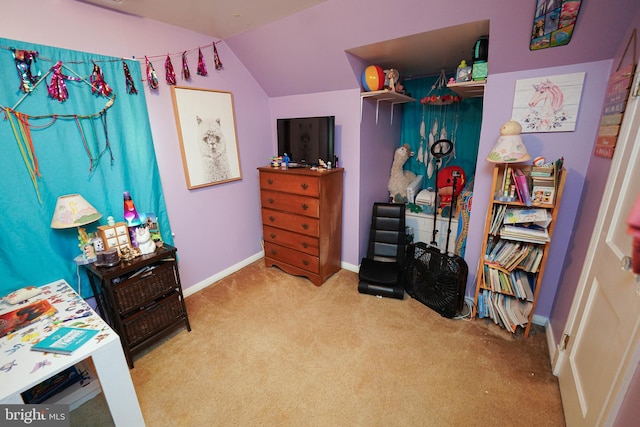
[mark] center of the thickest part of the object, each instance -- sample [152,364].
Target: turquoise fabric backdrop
[31,253]
[462,122]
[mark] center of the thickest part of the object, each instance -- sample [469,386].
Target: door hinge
[564,341]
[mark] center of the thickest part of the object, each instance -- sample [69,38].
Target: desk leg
[115,380]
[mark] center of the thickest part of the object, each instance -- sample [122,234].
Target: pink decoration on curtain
[98,85]
[170,73]
[186,74]
[202,67]
[216,58]
[151,75]
[58,88]
[131,88]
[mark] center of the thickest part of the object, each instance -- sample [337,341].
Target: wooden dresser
[302,220]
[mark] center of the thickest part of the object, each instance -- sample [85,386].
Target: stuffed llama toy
[400,179]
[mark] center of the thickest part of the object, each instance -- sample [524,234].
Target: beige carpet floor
[270,349]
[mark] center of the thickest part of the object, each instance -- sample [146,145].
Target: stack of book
[526,225]
[505,311]
[543,184]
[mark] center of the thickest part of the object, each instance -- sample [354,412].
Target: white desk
[21,368]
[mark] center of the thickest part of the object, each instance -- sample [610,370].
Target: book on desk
[25,315]
[65,340]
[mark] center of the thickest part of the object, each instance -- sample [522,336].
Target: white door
[603,327]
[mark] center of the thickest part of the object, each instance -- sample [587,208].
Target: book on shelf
[517,188]
[530,233]
[14,320]
[523,186]
[519,215]
[65,340]
[506,311]
[543,194]
[497,219]
[541,171]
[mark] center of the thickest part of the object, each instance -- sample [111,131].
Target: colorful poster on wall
[548,104]
[615,101]
[553,23]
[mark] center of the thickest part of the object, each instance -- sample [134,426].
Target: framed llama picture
[548,104]
[207,132]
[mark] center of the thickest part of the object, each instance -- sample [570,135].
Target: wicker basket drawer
[292,257]
[289,183]
[140,290]
[302,205]
[152,319]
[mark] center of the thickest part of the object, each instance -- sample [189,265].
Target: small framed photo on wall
[207,132]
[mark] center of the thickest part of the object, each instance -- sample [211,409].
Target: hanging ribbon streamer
[202,67]
[24,59]
[216,58]
[131,88]
[170,73]
[25,144]
[151,75]
[58,87]
[186,74]
[98,85]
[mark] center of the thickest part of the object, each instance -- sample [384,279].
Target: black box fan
[436,279]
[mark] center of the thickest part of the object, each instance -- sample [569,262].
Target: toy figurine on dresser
[145,243]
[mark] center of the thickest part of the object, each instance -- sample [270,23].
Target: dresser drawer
[296,184]
[291,240]
[287,202]
[292,257]
[291,222]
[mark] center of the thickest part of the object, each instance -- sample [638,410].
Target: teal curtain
[462,122]
[78,150]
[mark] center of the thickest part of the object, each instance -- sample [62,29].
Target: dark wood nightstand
[141,299]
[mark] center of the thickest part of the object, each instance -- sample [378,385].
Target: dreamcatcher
[440,109]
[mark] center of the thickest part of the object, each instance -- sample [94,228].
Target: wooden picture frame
[207,131]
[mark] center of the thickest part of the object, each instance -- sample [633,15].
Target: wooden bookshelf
[501,286]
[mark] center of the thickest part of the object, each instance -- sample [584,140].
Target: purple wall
[320,35]
[576,148]
[345,106]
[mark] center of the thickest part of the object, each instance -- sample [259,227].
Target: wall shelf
[472,89]
[384,95]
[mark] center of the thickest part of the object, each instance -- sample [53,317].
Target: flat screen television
[307,139]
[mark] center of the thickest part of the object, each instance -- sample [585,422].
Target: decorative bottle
[130,213]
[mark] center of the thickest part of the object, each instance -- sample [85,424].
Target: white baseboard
[551,345]
[350,267]
[221,275]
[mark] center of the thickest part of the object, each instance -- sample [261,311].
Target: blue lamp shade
[73,211]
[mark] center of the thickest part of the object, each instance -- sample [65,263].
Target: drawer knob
[305,245]
[305,206]
[305,262]
[305,226]
[273,252]
[272,235]
[304,186]
[271,200]
[271,218]
[269,181]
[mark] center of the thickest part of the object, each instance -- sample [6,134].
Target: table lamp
[74,211]
[509,149]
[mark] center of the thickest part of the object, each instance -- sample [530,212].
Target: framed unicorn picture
[548,104]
